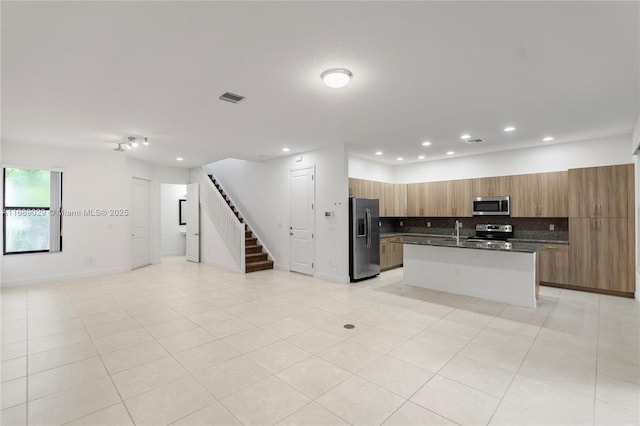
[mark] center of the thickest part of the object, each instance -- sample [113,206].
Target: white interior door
[193,223]
[302,197]
[139,223]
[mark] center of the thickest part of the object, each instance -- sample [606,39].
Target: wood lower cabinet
[390,254]
[599,255]
[553,264]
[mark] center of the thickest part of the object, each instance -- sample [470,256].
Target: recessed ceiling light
[420,157]
[465,136]
[548,139]
[399,158]
[379,152]
[285,150]
[509,129]
[426,143]
[179,158]
[450,153]
[336,77]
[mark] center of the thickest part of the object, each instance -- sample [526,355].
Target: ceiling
[89,74]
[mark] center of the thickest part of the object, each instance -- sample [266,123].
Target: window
[32,211]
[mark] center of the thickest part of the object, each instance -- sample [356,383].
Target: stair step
[250,241]
[255,248]
[248,234]
[258,266]
[255,257]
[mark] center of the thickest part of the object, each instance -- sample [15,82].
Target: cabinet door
[399,199]
[611,262]
[397,254]
[459,201]
[436,199]
[553,264]
[491,186]
[583,189]
[354,187]
[525,199]
[413,199]
[613,189]
[553,190]
[582,252]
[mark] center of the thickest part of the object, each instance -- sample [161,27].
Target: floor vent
[231,97]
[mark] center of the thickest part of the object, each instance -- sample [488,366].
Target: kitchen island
[502,272]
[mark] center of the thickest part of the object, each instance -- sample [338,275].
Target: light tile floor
[183,343]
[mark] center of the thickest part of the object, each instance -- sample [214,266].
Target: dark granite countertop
[513,240]
[444,241]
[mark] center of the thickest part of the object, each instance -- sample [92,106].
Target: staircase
[254,254]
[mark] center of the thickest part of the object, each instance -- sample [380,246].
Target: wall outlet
[552,227]
[401,223]
[428,224]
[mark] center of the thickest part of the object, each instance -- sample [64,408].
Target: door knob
[196,234]
[290,233]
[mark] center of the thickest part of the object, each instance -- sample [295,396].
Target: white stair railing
[227,224]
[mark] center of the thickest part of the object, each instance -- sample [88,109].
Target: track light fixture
[132,142]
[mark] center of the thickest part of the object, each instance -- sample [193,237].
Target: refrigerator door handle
[367,215]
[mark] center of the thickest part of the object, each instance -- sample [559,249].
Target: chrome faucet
[457,228]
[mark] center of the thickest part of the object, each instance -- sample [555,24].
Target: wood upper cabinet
[540,195]
[491,186]
[392,197]
[399,192]
[600,191]
[553,264]
[417,196]
[459,201]
[599,255]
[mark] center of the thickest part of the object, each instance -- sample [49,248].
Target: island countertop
[516,246]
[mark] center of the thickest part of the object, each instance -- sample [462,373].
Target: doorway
[140,223]
[302,198]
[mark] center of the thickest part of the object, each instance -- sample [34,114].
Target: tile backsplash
[524,228]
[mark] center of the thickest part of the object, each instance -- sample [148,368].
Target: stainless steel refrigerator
[364,238]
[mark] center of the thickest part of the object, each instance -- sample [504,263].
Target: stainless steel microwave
[492,206]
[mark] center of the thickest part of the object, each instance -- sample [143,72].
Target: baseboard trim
[589,290]
[67,276]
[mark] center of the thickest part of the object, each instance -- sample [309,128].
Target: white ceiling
[86,74]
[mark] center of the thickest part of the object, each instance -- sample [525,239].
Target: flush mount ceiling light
[426,143]
[336,77]
[509,129]
[465,136]
[179,159]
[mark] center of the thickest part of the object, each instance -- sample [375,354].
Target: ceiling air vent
[231,97]
[472,141]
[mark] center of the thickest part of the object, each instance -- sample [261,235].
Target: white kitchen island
[502,273]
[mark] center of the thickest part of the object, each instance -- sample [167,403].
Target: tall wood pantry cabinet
[602,229]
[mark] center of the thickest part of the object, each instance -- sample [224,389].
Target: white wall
[91,180]
[172,241]
[370,170]
[261,192]
[547,158]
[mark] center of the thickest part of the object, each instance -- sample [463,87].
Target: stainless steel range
[495,233]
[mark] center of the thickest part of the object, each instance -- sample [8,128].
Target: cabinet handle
[595,213]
